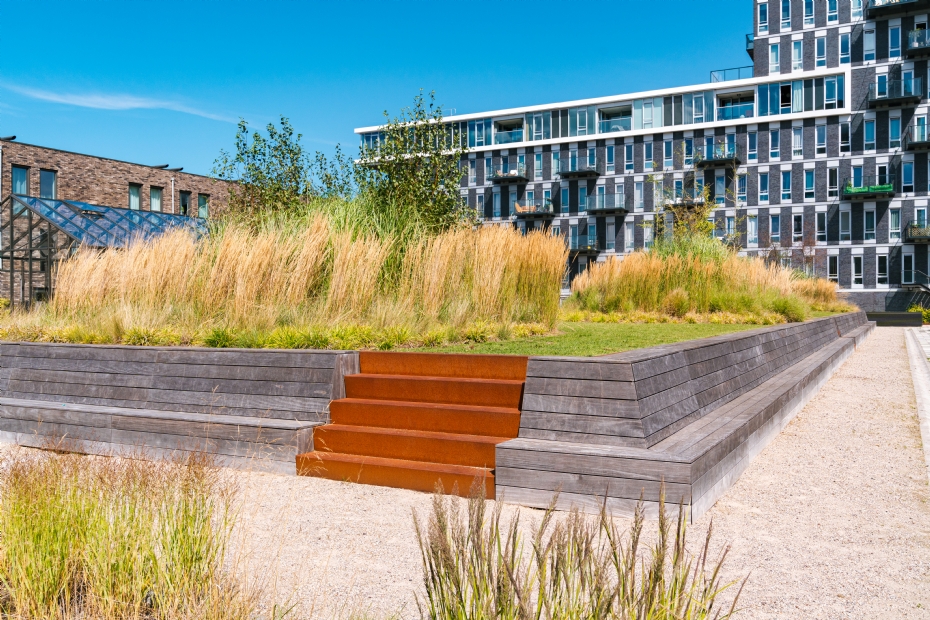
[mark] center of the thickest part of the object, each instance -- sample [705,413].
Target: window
[611,166]
[786,185]
[869,135]
[20,180]
[894,224]
[628,157]
[907,176]
[844,137]
[881,269]
[845,225]
[547,198]
[564,200]
[135,196]
[48,184]
[658,191]
[894,42]
[480,205]
[647,236]
[628,232]
[833,182]
[611,236]
[679,188]
[820,132]
[752,229]
[833,269]
[184,203]
[488,166]
[763,187]
[797,55]
[203,206]
[775,228]
[638,200]
[763,18]
[808,12]
[689,151]
[844,49]
[668,160]
[741,188]
[808,184]
[512,202]
[869,225]
[538,166]
[556,157]
[868,45]
[785,14]
[582,199]
[774,61]
[822,227]
[720,187]
[797,142]
[647,156]
[857,270]
[920,217]
[753,139]
[894,132]
[155,198]
[797,228]
[821,47]
[730,225]
[774,144]
[699,187]
[832,14]
[857,9]
[472,171]
[556,231]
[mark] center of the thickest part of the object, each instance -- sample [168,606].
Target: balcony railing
[750,45]
[582,243]
[917,231]
[917,138]
[606,203]
[879,186]
[887,8]
[508,137]
[733,112]
[533,208]
[509,174]
[580,165]
[719,155]
[623,123]
[918,44]
[895,92]
[685,199]
[736,73]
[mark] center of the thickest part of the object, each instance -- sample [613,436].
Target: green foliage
[220,338]
[925,312]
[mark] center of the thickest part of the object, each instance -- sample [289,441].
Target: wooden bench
[691,415]
[251,408]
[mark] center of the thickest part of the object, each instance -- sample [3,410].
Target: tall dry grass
[300,276]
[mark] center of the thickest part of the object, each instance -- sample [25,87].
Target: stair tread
[444,379]
[418,404]
[397,463]
[397,432]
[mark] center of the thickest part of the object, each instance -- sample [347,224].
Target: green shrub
[220,338]
[677,303]
[925,312]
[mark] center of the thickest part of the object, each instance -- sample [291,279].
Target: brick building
[52,173]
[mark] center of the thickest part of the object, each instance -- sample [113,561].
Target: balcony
[722,155]
[750,45]
[606,204]
[610,125]
[917,232]
[578,166]
[509,174]
[917,138]
[686,200]
[533,210]
[508,137]
[918,44]
[737,111]
[895,93]
[883,9]
[736,73]
[582,245]
[869,188]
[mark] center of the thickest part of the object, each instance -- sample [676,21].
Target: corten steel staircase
[410,420]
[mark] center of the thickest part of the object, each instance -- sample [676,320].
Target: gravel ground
[832,520]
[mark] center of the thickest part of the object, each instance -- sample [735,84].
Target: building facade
[43,172]
[815,155]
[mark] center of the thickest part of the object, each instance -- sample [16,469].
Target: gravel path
[832,519]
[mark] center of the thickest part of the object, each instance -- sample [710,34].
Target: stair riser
[509,367]
[492,424]
[398,478]
[424,449]
[444,391]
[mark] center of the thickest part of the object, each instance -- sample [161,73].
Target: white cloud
[113,102]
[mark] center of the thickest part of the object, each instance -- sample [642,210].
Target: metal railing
[508,137]
[719,152]
[896,89]
[606,202]
[733,112]
[533,207]
[917,231]
[750,42]
[918,40]
[915,134]
[582,162]
[877,184]
[736,73]
[622,123]
[517,171]
[582,243]
[880,4]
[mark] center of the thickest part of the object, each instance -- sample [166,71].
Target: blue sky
[165,82]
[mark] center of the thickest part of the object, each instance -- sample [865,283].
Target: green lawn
[587,339]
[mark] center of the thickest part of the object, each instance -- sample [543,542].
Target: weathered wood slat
[589,484]
[597,425]
[619,390]
[579,405]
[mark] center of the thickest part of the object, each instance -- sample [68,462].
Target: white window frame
[866,124]
[775,144]
[774,58]
[905,185]
[868,45]
[775,228]
[797,55]
[797,142]
[764,196]
[537,166]
[868,235]
[857,280]
[894,142]
[639,199]
[894,228]
[808,12]
[752,230]
[820,221]
[752,144]
[845,58]
[611,165]
[881,280]
[820,48]
[833,268]
[785,12]
[820,136]
[629,161]
[786,191]
[809,183]
[472,172]
[833,182]
[832,12]
[894,51]
[797,237]
[856,8]
[763,18]
[845,226]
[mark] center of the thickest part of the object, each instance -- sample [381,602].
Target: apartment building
[815,155]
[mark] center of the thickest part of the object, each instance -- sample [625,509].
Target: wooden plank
[198,429]
[533,445]
[587,406]
[219,400]
[618,390]
[569,437]
[661,382]
[245,387]
[574,423]
[617,507]
[578,368]
[588,484]
[664,399]
[664,366]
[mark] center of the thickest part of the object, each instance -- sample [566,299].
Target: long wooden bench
[690,415]
[251,408]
